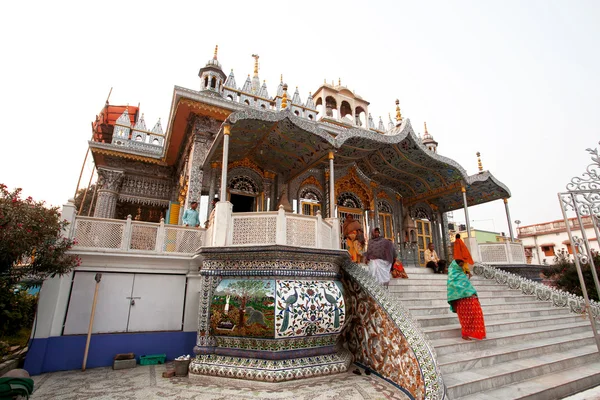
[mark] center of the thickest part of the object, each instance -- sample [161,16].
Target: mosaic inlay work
[383,335]
[270,370]
[269,308]
[284,344]
[306,308]
[243,307]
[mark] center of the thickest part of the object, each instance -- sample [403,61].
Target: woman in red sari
[463,300]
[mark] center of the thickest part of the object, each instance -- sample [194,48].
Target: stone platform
[146,382]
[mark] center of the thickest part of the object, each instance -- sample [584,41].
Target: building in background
[544,240]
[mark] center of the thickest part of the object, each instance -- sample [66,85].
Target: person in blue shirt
[190,216]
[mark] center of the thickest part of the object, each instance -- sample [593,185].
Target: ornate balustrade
[131,236]
[279,227]
[383,335]
[559,298]
[502,253]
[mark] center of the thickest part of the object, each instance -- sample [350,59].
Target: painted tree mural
[243,290]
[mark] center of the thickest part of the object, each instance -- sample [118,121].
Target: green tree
[84,209]
[32,248]
[564,275]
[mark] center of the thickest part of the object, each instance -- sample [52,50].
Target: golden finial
[398,115]
[284,97]
[216,50]
[339,81]
[479,162]
[281,78]
[255,64]
[425,123]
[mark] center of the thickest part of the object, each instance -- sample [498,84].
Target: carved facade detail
[246,163]
[353,184]
[110,182]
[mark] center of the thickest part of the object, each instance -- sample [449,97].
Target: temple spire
[284,97]
[256,56]
[479,165]
[398,114]
[216,50]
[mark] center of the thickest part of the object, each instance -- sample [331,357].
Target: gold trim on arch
[352,183]
[311,180]
[246,163]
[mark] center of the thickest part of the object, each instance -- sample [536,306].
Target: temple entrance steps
[533,350]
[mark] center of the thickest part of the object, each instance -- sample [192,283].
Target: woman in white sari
[380,256]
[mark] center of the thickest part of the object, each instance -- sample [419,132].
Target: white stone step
[433,293]
[506,338]
[501,316]
[457,362]
[553,386]
[453,330]
[464,383]
[409,301]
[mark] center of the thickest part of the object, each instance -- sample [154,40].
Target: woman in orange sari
[461,252]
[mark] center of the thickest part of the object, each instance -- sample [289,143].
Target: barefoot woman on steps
[463,300]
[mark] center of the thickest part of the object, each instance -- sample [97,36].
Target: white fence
[279,227]
[112,234]
[256,228]
[502,253]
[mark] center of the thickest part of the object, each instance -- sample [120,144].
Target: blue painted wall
[62,353]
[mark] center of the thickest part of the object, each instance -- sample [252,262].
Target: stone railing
[100,234]
[502,253]
[279,227]
[558,297]
[384,336]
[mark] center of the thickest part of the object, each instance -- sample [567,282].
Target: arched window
[213,82]
[206,82]
[310,201]
[138,138]
[349,200]
[243,184]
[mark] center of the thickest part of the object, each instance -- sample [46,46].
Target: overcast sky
[516,80]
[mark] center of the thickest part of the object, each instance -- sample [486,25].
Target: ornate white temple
[264,290]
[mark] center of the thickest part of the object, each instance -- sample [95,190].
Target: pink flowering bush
[32,248]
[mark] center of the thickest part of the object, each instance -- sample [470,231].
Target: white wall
[557,238]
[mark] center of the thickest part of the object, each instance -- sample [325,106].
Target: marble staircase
[533,350]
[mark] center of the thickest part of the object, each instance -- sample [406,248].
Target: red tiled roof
[104,124]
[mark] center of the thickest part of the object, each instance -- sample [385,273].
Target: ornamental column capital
[111,179]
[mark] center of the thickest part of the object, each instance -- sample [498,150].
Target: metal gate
[582,199]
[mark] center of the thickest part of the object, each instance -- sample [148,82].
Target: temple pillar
[223,209]
[466,208]
[106,201]
[331,187]
[444,219]
[268,190]
[211,187]
[471,242]
[510,230]
[226,133]
[399,224]
[195,172]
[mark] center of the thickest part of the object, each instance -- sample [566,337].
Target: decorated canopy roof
[287,145]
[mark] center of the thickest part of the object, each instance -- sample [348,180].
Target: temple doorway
[242,203]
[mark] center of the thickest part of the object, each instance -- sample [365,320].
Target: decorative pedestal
[271,313]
